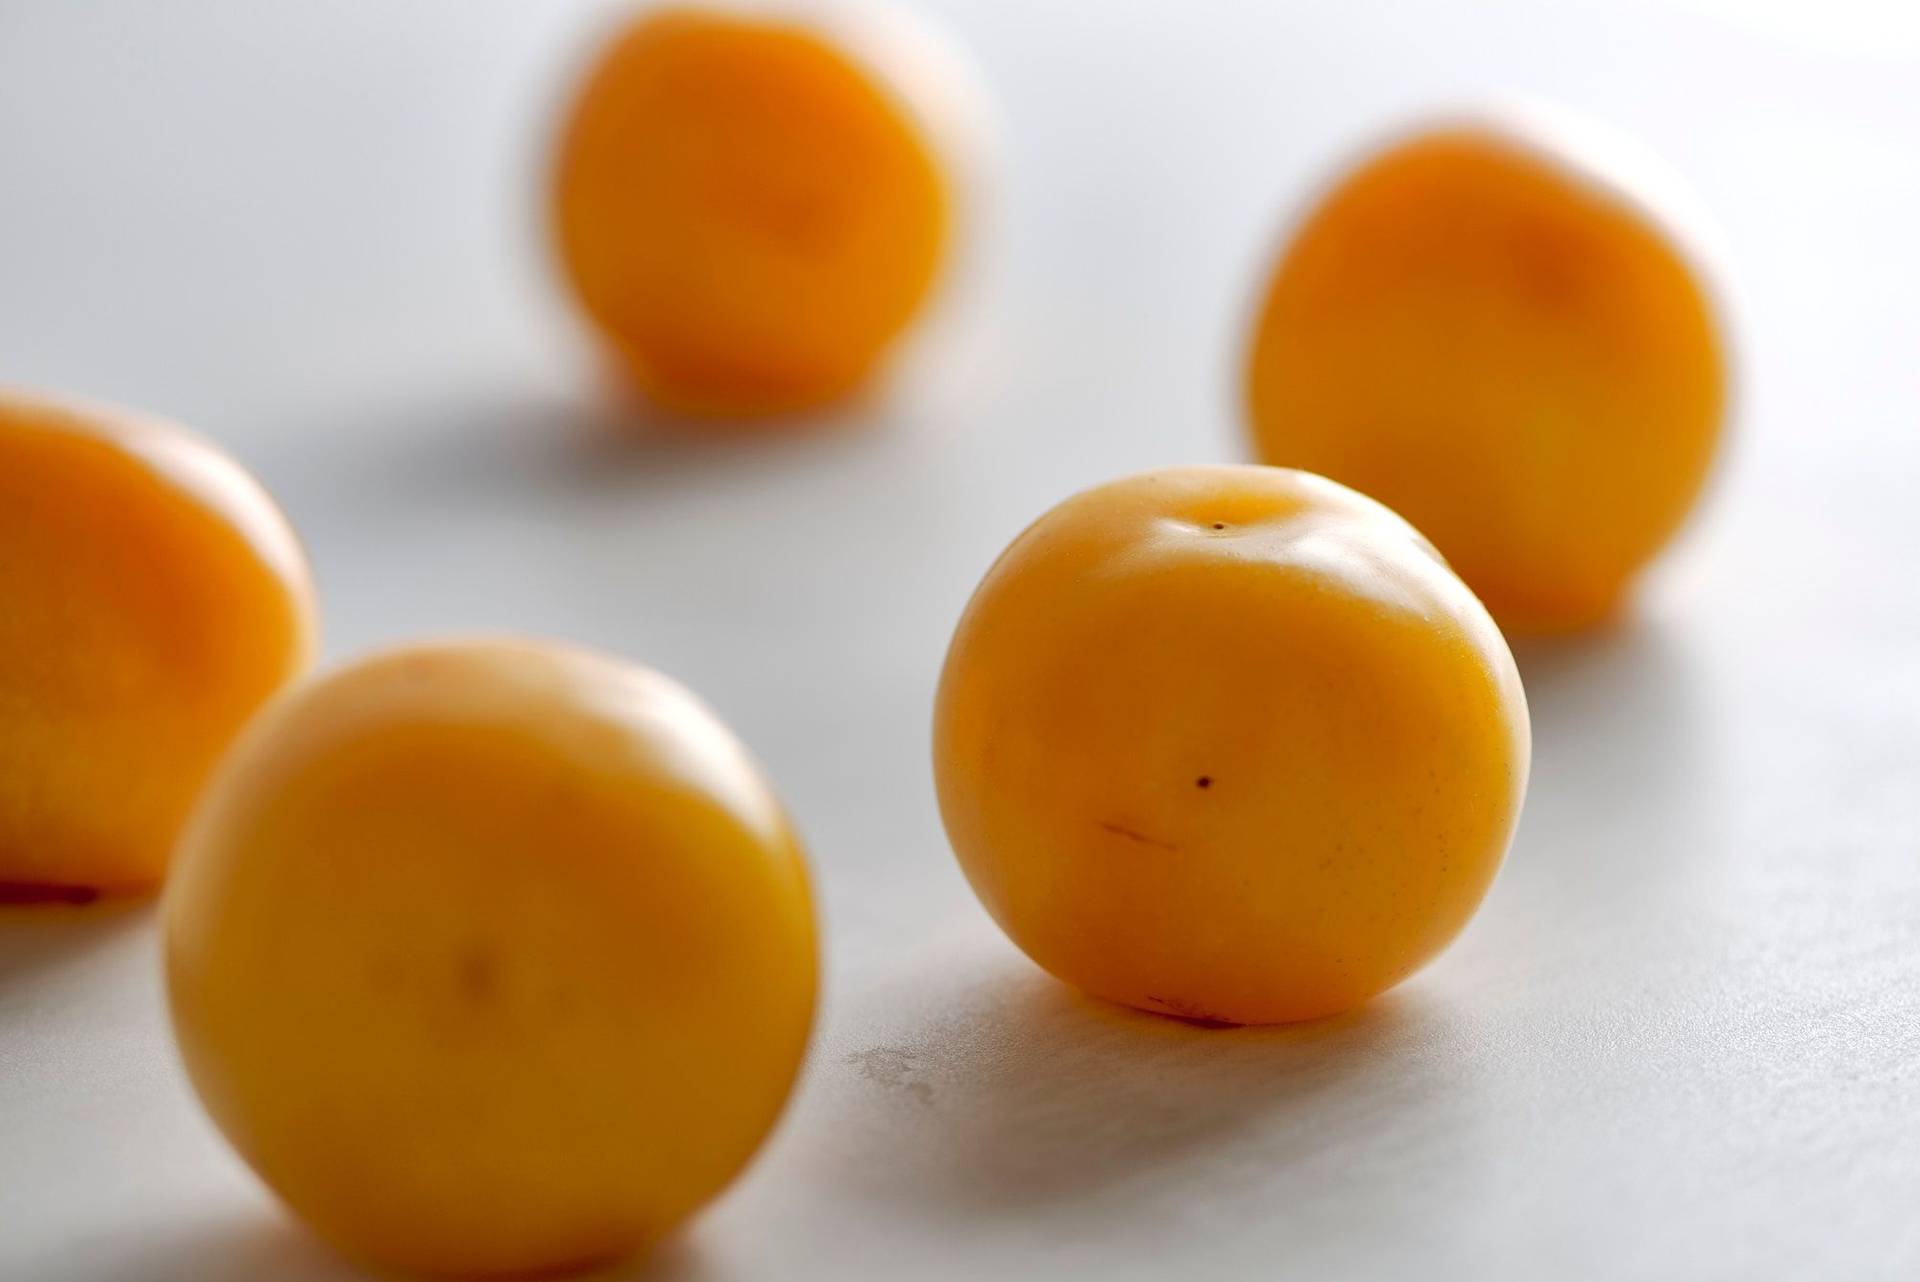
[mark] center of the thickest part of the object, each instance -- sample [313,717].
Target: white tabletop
[1680,1041]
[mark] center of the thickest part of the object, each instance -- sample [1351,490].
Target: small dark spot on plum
[1204,781]
[479,974]
[1219,525]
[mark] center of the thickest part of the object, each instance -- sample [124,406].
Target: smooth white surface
[1682,1039]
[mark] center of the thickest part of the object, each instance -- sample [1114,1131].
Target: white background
[1682,1038]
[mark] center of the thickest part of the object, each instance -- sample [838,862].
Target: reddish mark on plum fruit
[1204,781]
[26,892]
[1120,830]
